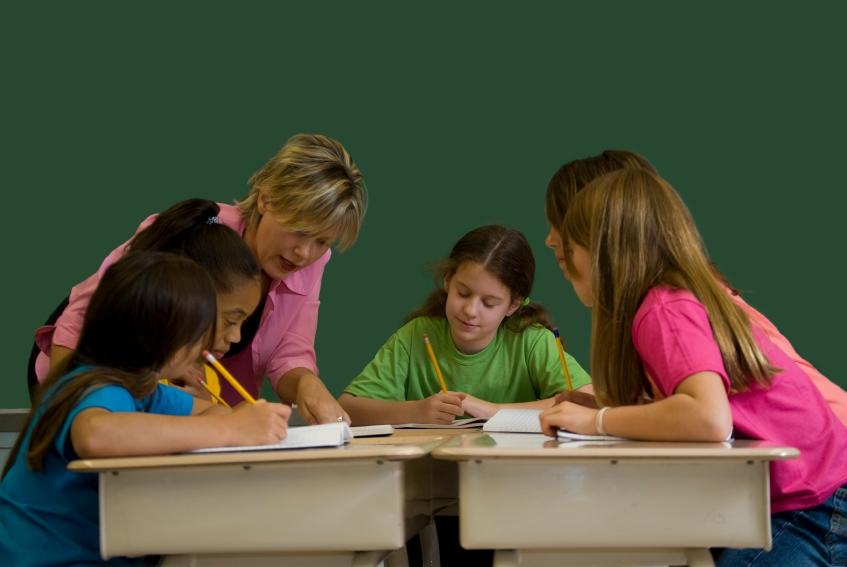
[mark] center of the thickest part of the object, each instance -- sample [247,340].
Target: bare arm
[97,432]
[481,408]
[698,410]
[58,355]
[439,408]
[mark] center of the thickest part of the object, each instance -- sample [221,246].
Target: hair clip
[213,220]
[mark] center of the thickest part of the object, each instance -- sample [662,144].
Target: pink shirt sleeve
[674,339]
[69,323]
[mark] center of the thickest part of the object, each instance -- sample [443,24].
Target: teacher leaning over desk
[307,198]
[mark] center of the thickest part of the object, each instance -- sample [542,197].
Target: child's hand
[475,407]
[579,398]
[570,416]
[439,408]
[261,423]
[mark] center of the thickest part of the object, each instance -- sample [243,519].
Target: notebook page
[515,421]
[467,423]
[371,430]
[307,436]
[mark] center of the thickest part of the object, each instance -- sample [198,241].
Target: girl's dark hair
[147,306]
[190,228]
[507,255]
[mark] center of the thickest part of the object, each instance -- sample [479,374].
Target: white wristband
[598,420]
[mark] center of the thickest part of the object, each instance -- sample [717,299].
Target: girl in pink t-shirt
[673,358]
[575,174]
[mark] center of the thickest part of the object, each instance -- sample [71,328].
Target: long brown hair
[507,255]
[147,306]
[576,174]
[640,235]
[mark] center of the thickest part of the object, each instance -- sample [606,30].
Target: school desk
[538,502]
[352,505]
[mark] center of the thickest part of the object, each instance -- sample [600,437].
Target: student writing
[151,315]
[493,344]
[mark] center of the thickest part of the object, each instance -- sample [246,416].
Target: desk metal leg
[430,553]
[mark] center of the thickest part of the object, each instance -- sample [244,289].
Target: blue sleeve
[168,400]
[110,398]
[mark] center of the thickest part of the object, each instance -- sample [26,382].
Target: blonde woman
[306,199]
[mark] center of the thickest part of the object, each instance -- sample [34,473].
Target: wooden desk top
[354,451]
[536,446]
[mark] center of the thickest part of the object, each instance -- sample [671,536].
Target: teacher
[306,199]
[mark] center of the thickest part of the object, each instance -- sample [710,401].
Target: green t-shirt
[514,367]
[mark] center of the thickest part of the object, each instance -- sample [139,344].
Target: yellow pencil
[229,377]
[560,345]
[435,364]
[214,395]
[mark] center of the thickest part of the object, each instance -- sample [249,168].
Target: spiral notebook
[302,437]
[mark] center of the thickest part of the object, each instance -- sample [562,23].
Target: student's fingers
[443,418]
[281,410]
[460,395]
[452,409]
[551,421]
[452,398]
[280,430]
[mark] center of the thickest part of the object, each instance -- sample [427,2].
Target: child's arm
[476,407]
[96,432]
[205,407]
[438,408]
[698,410]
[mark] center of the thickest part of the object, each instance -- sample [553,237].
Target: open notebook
[467,423]
[303,437]
[514,421]
[526,421]
[371,430]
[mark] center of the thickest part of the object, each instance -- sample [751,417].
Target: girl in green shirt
[494,346]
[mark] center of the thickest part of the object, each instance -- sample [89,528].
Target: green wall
[457,114]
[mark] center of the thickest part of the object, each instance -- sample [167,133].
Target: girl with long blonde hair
[673,358]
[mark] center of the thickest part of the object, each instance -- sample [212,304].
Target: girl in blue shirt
[152,315]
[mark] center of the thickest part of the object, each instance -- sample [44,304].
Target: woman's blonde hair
[314,184]
[641,235]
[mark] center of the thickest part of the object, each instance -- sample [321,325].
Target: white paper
[307,436]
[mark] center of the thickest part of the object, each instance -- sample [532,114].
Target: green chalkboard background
[457,113]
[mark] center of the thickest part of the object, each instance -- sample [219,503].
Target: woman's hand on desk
[316,404]
[570,416]
[439,408]
[258,424]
